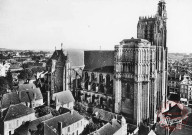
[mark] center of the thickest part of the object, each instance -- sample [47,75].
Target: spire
[61,46]
[161,11]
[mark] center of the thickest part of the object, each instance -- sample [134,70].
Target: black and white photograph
[95,67]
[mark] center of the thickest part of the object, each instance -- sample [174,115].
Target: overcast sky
[87,24]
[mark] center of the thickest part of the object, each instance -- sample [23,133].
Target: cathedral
[141,69]
[58,68]
[130,80]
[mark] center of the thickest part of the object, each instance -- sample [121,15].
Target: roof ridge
[7,112]
[56,116]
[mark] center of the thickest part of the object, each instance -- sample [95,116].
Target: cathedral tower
[141,69]
[154,29]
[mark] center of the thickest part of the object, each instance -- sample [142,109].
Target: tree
[46,110]
[3,85]
[9,79]
[25,74]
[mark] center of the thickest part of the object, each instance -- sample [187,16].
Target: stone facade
[141,69]
[97,89]
[134,71]
[58,67]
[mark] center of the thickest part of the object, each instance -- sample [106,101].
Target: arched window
[86,80]
[100,78]
[92,76]
[94,86]
[101,88]
[93,98]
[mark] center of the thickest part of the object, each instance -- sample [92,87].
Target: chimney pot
[48,98]
[60,128]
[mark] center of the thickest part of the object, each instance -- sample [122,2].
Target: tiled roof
[109,129]
[76,57]
[105,115]
[160,130]
[106,69]
[8,99]
[57,55]
[26,86]
[32,125]
[16,111]
[66,119]
[174,111]
[64,97]
[185,130]
[152,133]
[15,66]
[98,59]
[32,93]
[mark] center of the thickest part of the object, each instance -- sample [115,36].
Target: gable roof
[173,112]
[57,55]
[64,97]
[34,94]
[26,86]
[32,125]
[185,130]
[16,111]
[151,133]
[109,129]
[105,115]
[8,99]
[66,119]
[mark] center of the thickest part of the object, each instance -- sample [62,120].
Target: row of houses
[181,85]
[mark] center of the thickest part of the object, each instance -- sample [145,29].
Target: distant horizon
[77,49]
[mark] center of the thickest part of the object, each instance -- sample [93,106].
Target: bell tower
[162,9]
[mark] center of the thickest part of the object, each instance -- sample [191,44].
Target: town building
[173,85]
[4,69]
[63,99]
[113,128]
[14,116]
[186,89]
[30,127]
[31,97]
[68,123]
[113,124]
[8,99]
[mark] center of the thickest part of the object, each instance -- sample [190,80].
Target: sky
[87,24]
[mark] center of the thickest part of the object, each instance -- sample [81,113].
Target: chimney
[56,101]
[31,106]
[34,96]
[71,111]
[48,98]
[61,46]
[1,114]
[33,87]
[60,128]
[169,106]
[113,120]
[19,94]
